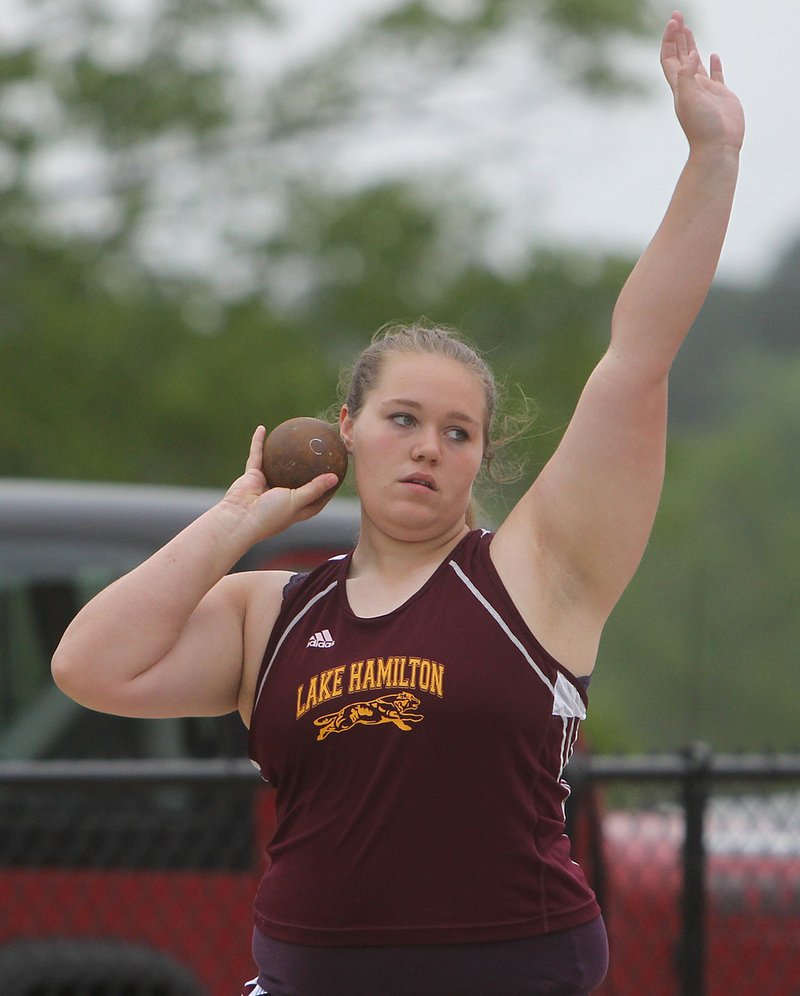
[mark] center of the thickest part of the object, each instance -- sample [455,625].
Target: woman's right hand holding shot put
[176,636]
[272,509]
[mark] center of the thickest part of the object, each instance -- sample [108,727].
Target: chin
[416,526]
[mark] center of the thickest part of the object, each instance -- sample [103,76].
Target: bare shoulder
[259,595]
[250,590]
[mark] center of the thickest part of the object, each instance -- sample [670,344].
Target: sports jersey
[417,759]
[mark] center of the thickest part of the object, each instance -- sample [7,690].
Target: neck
[378,551]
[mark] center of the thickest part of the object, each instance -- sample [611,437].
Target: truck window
[42,586]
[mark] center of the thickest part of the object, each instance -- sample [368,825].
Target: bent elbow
[90,679]
[64,673]
[74,678]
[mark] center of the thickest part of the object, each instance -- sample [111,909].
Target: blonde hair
[428,339]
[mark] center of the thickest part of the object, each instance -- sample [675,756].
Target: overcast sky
[565,170]
[602,174]
[758,45]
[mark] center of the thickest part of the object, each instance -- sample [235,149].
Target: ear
[346,427]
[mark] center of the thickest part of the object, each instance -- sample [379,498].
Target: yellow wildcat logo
[398,709]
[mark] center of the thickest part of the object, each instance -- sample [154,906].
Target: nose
[427,446]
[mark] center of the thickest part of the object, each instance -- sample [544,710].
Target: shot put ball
[300,449]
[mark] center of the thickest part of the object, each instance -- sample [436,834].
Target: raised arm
[584,524]
[173,637]
[666,289]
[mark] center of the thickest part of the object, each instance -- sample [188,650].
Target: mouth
[420,480]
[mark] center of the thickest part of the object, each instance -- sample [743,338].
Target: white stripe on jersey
[567,701]
[504,626]
[568,741]
[258,990]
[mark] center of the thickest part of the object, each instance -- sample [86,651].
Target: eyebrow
[410,403]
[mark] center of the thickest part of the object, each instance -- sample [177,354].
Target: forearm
[667,287]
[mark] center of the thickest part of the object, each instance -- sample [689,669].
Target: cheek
[469,467]
[474,456]
[370,456]
[372,446]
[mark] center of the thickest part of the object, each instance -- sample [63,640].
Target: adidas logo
[323,639]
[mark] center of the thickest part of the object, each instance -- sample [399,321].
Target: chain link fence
[129,878]
[136,878]
[700,873]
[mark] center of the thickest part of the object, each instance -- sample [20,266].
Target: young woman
[417,750]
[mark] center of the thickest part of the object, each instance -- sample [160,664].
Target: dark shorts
[569,963]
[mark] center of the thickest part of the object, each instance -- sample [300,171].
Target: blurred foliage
[181,258]
[105,386]
[156,383]
[176,259]
[144,127]
[572,35]
[705,640]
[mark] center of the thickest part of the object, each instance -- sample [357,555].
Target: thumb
[310,498]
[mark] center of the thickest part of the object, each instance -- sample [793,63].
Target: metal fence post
[693,934]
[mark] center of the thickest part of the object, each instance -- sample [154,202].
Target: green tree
[180,256]
[162,384]
[169,132]
[703,643]
[97,385]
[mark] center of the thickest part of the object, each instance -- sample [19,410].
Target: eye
[403,419]
[458,434]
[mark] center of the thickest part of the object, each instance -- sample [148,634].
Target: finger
[693,65]
[682,43]
[308,498]
[715,65]
[686,44]
[687,72]
[669,50]
[701,69]
[316,488]
[255,457]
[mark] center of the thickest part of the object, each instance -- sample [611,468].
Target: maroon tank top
[418,760]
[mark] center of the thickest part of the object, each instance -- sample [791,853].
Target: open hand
[707,110]
[275,508]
